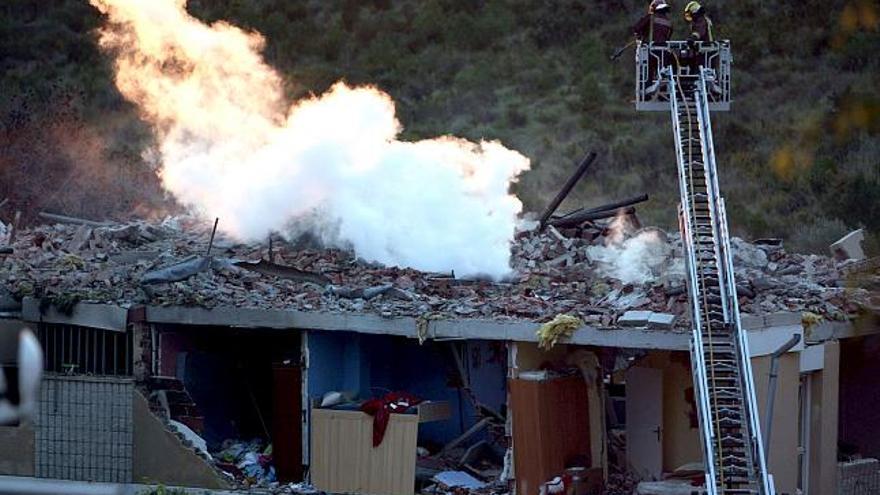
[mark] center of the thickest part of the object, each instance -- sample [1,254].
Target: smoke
[644,257]
[231,146]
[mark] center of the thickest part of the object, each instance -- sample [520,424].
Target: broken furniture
[550,430]
[343,459]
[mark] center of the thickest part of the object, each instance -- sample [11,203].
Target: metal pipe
[213,233]
[610,206]
[771,387]
[71,220]
[585,216]
[572,181]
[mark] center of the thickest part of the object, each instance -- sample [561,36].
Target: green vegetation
[799,152]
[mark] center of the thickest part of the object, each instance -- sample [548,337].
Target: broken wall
[158,456]
[372,365]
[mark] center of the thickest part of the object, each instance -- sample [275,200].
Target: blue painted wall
[372,365]
[337,363]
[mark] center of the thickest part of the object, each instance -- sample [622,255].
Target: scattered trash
[248,462]
[301,488]
[560,328]
[458,479]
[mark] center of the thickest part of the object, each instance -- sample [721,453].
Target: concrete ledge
[763,339]
[766,332]
[836,330]
[103,316]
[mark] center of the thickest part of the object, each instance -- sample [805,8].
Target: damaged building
[177,358]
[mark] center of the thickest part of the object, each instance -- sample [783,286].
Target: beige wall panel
[344,460]
[783,453]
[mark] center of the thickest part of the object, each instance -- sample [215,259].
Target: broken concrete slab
[663,321]
[270,268]
[747,255]
[634,319]
[127,257]
[849,247]
[80,239]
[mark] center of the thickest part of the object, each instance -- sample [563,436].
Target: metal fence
[76,350]
[84,429]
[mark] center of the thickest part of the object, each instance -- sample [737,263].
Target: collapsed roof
[597,272]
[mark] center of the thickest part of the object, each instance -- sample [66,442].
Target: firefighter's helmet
[658,6]
[690,9]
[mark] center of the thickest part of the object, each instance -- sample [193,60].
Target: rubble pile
[595,273]
[247,463]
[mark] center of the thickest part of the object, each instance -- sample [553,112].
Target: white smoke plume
[231,146]
[639,259]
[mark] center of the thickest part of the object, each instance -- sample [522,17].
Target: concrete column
[783,452]
[824,392]
[142,344]
[142,351]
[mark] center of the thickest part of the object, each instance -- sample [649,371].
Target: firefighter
[700,31]
[701,25]
[655,27]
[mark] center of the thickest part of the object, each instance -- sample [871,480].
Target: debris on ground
[249,463]
[595,272]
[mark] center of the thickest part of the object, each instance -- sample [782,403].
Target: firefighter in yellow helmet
[701,25]
[700,30]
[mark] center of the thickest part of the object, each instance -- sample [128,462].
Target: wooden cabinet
[551,428]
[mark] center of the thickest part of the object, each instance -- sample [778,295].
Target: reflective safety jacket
[701,29]
[653,27]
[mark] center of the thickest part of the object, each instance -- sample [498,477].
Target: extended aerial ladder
[694,81]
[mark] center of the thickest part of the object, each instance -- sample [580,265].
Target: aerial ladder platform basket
[690,80]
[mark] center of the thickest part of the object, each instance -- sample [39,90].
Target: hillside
[799,152]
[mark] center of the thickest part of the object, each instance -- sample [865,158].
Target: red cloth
[381,409]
